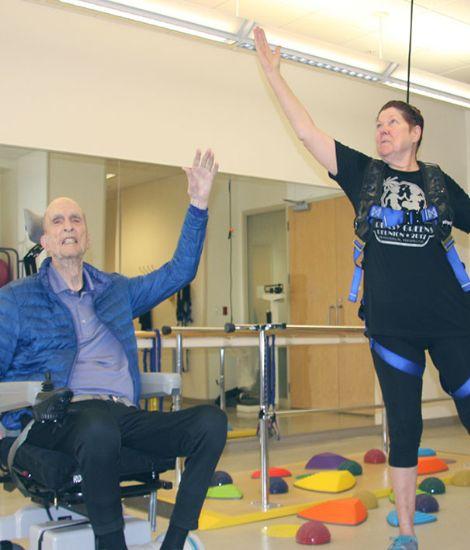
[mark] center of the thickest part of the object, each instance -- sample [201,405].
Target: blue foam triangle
[419,519]
[426,451]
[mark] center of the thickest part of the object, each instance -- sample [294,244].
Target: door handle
[330,316]
[339,311]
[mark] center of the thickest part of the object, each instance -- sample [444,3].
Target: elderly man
[76,322]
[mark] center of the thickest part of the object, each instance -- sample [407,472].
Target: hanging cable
[409,54]
[230,234]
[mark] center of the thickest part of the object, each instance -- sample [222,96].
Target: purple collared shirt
[101,366]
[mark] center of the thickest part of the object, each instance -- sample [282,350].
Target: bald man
[76,322]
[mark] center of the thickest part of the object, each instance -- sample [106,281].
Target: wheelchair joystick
[51,405]
[47,385]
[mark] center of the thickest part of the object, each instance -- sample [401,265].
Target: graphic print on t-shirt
[409,197]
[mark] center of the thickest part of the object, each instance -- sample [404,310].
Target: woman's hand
[270,61]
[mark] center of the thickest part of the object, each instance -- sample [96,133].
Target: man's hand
[200,178]
[269,61]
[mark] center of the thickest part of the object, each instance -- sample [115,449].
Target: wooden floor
[450,532]
[223,513]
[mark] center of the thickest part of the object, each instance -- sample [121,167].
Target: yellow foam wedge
[282,531]
[327,482]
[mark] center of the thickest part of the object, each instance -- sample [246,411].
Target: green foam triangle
[225,492]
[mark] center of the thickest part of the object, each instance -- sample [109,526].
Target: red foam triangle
[273,472]
[431,465]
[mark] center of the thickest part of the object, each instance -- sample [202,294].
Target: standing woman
[415,288]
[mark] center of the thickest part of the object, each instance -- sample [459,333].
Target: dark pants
[94,431]
[402,392]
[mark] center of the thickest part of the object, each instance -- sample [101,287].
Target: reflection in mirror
[134,214]
[30,179]
[245,253]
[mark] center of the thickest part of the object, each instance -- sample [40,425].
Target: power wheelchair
[56,519]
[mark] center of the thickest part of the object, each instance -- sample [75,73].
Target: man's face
[65,230]
[393,136]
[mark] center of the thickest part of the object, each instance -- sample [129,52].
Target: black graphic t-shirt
[410,288]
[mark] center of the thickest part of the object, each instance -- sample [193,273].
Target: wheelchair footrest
[17,525]
[76,535]
[144,488]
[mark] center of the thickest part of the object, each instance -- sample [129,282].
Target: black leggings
[402,392]
[93,432]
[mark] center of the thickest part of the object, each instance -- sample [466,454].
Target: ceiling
[441,28]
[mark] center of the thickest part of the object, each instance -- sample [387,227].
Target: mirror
[134,213]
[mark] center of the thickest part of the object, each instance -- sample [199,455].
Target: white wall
[83,83]
[77,82]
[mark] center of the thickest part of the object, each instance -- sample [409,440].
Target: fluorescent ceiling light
[436,82]
[132,10]
[325,50]
[326,56]
[185,11]
[429,92]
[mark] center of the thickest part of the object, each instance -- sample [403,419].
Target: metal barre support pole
[177,399]
[222,379]
[152,511]
[263,419]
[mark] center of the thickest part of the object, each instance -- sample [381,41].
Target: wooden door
[355,369]
[312,264]
[320,246]
[312,267]
[344,215]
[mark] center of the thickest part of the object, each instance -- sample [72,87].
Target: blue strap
[157,360]
[429,214]
[268,381]
[357,276]
[397,361]
[355,284]
[462,392]
[389,216]
[145,355]
[272,371]
[456,264]
[158,344]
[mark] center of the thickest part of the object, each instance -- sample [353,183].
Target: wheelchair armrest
[159,384]
[17,395]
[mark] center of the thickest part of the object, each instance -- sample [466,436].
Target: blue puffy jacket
[37,333]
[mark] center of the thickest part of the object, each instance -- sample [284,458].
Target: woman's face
[394,137]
